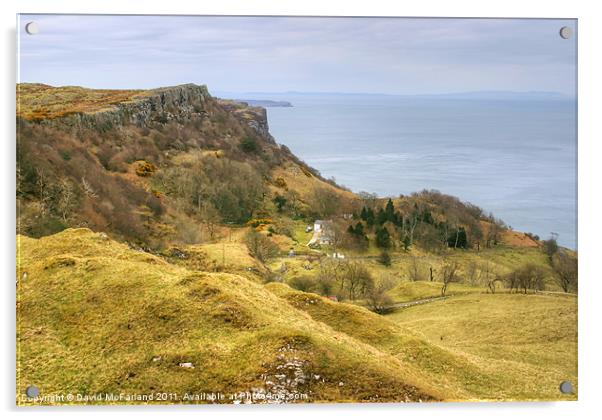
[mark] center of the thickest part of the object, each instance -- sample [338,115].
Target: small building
[322,234]
[319,225]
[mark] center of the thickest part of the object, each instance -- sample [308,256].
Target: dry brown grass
[37,101]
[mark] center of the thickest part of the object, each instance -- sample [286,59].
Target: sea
[514,155]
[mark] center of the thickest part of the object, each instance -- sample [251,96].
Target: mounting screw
[565,32]
[32,28]
[566,387]
[32,391]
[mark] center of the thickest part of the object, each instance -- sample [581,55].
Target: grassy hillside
[525,344]
[95,316]
[473,347]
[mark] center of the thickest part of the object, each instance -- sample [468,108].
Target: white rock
[187,365]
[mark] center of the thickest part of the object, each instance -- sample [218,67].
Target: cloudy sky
[244,54]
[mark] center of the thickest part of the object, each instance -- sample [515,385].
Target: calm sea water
[515,158]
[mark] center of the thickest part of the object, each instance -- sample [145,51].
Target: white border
[590,211]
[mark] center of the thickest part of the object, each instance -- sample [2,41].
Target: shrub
[385,259]
[249,145]
[145,169]
[303,283]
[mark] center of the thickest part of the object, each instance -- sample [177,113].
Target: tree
[406,242]
[489,276]
[357,279]
[383,239]
[367,215]
[66,198]
[550,247]
[260,246]
[381,217]
[390,211]
[566,268]
[293,202]
[527,277]
[449,274]
[324,201]
[415,270]
[458,238]
[376,295]
[280,202]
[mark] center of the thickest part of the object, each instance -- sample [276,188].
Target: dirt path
[403,305]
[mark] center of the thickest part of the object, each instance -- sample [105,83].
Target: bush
[385,259]
[303,283]
[145,169]
[249,145]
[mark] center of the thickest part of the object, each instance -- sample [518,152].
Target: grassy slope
[38,101]
[92,314]
[485,354]
[526,343]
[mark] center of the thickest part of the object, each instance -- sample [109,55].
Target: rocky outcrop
[176,103]
[254,116]
[163,105]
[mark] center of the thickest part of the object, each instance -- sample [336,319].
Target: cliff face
[105,109]
[255,117]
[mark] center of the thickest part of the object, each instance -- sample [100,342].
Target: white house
[322,234]
[318,225]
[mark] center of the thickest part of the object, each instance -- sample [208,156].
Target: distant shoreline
[265,103]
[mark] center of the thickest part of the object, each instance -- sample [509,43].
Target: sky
[281,54]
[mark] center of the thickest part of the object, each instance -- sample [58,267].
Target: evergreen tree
[381,217]
[364,214]
[359,229]
[370,217]
[458,239]
[383,239]
[427,217]
[390,211]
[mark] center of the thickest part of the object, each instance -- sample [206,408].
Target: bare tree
[489,276]
[566,268]
[376,295]
[260,246]
[449,274]
[357,279]
[473,272]
[415,269]
[525,278]
[66,199]
[325,201]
